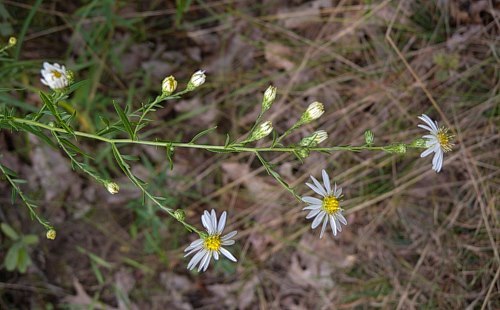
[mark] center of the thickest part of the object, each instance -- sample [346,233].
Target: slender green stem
[28,204]
[229,149]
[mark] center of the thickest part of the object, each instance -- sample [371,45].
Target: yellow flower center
[444,139]
[330,205]
[212,243]
[56,74]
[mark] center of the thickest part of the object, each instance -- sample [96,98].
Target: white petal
[318,220]
[204,261]
[205,220]
[228,242]
[227,254]
[429,122]
[196,259]
[229,235]
[313,213]
[338,192]
[194,244]
[426,128]
[333,225]
[44,82]
[312,207]
[341,218]
[216,255]
[222,222]
[194,250]
[213,218]
[312,200]
[315,189]
[326,181]
[427,152]
[325,221]
[337,223]
[319,186]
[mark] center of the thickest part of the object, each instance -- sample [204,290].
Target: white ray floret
[55,76]
[437,142]
[211,245]
[327,208]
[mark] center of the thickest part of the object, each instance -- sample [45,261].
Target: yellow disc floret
[444,139]
[56,74]
[330,205]
[212,243]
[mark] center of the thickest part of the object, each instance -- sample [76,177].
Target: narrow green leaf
[201,134]
[53,109]
[125,121]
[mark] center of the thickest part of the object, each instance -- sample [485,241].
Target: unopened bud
[197,79]
[369,137]
[313,111]
[168,85]
[51,234]
[180,215]
[419,143]
[302,153]
[112,187]
[269,96]
[314,139]
[260,132]
[396,148]
[12,41]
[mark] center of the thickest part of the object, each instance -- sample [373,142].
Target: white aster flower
[210,245]
[55,76]
[438,142]
[326,209]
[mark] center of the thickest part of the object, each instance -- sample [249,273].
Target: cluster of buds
[314,139]
[311,141]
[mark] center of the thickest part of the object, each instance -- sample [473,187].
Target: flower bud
[197,79]
[269,96]
[314,139]
[313,111]
[12,41]
[168,85]
[302,154]
[396,148]
[260,132]
[419,143]
[112,187]
[51,234]
[179,215]
[369,137]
